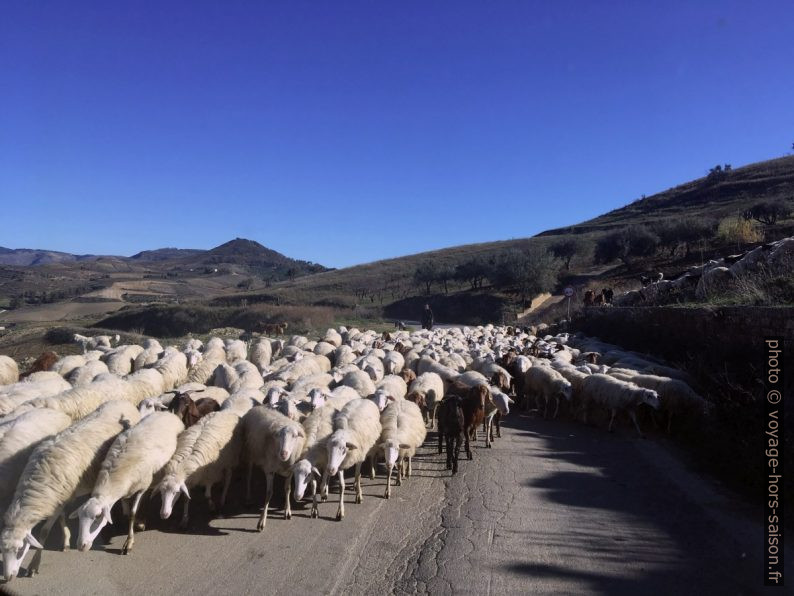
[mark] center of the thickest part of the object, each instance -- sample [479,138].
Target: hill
[719,195]
[36,277]
[27,257]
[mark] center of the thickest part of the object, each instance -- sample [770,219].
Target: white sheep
[546,383]
[616,394]
[86,373]
[262,354]
[360,381]
[9,371]
[426,364]
[19,440]
[498,405]
[132,462]
[274,443]
[356,430]
[318,426]
[235,350]
[67,364]
[204,371]
[675,395]
[35,386]
[242,401]
[402,432]
[151,353]
[121,360]
[248,376]
[427,389]
[58,471]
[393,363]
[393,385]
[206,453]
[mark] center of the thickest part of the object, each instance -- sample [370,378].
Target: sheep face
[288,440]
[651,398]
[337,451]
[15,545]
[564,390]
[93,516]
[391,452]
[381,399]
[150,406]
[301,475]
[170,489]
[274,395]
[193,358]
[317,398]
[502,402]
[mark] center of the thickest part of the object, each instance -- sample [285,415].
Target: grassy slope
[699,198]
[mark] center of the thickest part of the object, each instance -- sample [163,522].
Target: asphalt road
[554,508]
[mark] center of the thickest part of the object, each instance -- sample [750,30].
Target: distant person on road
[427,318]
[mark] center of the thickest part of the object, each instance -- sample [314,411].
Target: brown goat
[451,425]
[407,375]
[43,362]
[473,400]
[190,411]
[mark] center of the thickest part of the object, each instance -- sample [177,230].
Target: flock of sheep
[84,432]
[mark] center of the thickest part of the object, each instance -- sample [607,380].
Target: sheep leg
[633,417]
[557,409]
[323,485]
[612,419]
[185,513]
[433,416]
[359,493]
[468,445]
[227,480]
[455,444]
[125,550]
[487,430]
[67,535]
[371,461]
[287,497]
[33,568]
[449,442]
[250,473]
[409,467]
[387,494]
[208,496]
[340,513]
[440,439]
[545,407]
[497,420]
[260,526]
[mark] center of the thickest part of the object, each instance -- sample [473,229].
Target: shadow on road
[630,529]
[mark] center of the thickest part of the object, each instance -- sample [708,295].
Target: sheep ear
[316,471]
[510,401]
[159,406]
[350,446]
[106,514]
[183,489]
[32,541]
[404,446]
[74,514]
[390,398]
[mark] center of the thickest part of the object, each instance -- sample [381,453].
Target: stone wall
[678,334]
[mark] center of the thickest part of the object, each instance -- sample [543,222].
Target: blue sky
[343,132]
